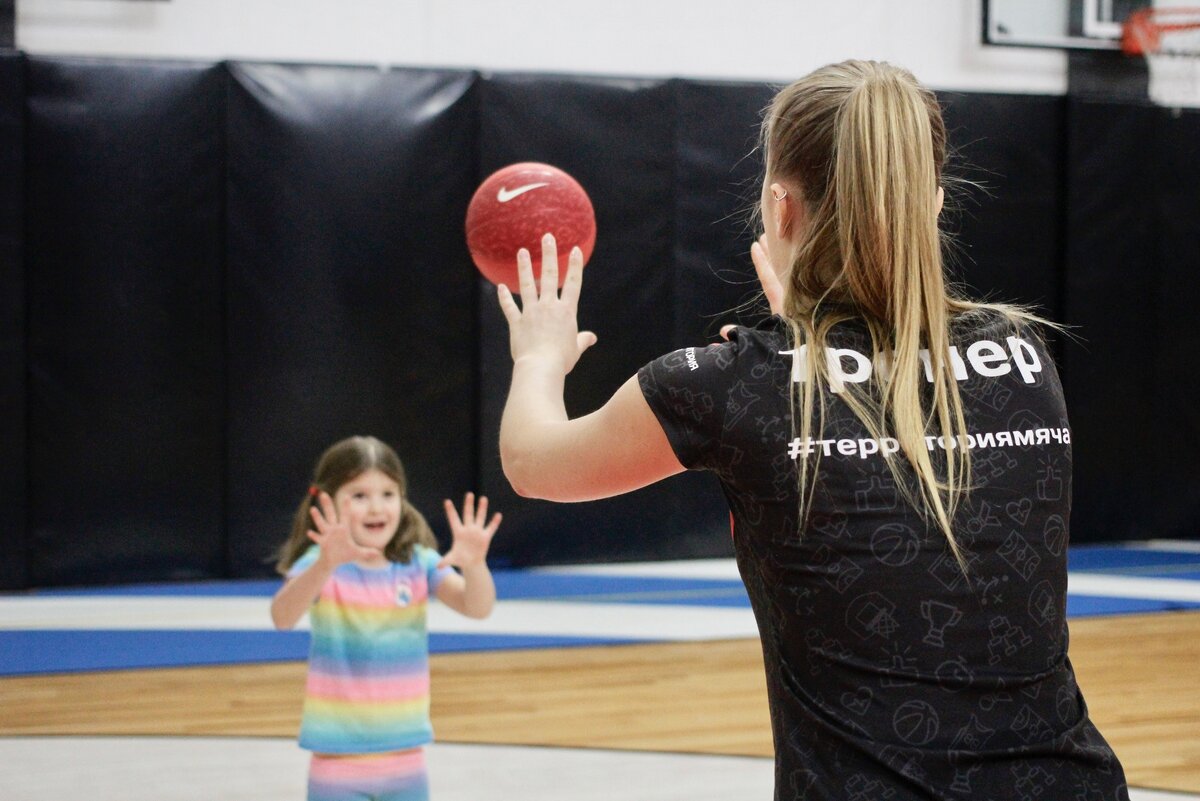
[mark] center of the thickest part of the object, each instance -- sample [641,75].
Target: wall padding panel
[617,137]
[14,537]
[124,284]
[1008,225]
[351,294]
[1132,383]
[718,179]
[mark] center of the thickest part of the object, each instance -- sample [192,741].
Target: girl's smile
[373,502]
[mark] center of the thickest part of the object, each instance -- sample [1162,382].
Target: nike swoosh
[505,195]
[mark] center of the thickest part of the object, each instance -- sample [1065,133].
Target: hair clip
[314,491]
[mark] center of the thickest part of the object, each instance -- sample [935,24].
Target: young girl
[364,562]
[883,444]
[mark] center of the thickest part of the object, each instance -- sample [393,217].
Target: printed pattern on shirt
[891,671]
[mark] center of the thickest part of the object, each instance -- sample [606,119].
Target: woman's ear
[941,200]
[784,211]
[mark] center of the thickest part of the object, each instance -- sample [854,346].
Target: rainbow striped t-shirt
[368,664]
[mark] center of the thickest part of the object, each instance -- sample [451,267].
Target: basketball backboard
[1062,24]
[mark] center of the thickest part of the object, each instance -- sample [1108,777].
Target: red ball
[517,205]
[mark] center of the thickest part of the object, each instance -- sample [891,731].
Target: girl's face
[374,500]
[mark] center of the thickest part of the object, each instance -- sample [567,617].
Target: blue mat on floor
[63,650]
[72,651]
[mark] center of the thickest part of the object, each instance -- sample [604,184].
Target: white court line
[538,618]
[641,621]
[718,569]
[1168,546]
[1137,587]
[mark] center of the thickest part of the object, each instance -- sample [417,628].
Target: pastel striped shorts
[394,776]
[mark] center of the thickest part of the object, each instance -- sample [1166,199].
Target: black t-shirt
[891,673]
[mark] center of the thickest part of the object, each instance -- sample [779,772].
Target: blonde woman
[897,461]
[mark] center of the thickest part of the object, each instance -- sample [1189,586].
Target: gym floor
[600,679]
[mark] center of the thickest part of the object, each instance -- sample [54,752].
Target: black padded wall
[617,137]
[1006,216]
[212,272]
[14,539]
[1134,217]
[718,178]
[124,284]
[351,295]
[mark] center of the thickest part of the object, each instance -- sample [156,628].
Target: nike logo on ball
[505,195]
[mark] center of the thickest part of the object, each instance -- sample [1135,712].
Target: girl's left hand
[471,536]
[545,325]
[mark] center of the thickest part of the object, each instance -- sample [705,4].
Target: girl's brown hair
[864,144]
[345,461]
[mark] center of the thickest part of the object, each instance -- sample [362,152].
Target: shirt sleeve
[428,558]
[304,562]
[687,391]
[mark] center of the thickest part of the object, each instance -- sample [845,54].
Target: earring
[782,194]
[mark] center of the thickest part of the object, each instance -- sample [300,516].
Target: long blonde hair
[343,462]
[865,145]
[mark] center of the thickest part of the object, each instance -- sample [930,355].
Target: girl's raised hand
[545,325]
[334,535]
[471,537]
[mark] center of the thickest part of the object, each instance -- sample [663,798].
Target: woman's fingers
[574,282]
[767,277]
[549,267]
[525,278]
[508,304]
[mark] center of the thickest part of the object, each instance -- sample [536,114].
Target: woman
[896,459]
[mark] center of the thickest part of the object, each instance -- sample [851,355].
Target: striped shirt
[368,667]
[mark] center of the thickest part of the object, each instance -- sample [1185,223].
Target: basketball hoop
[1169,38]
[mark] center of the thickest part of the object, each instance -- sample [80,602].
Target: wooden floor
[1140,675]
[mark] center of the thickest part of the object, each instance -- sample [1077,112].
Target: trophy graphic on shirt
[940,617]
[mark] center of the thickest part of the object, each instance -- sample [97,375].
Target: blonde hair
[865,145]
[343,462]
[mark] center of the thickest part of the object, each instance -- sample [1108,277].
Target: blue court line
[1095,605]
[1117,559]
[511,585]
[73,651]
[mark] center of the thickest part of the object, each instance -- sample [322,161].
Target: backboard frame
[1057,24]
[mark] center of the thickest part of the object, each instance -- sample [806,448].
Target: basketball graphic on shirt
[1055,534]
[895,544]
[916,722]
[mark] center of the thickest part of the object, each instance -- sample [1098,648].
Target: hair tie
[314,491]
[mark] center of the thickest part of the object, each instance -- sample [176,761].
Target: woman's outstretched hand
[544,326]
[768,279]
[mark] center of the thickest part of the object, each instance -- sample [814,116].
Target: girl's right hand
[334,536]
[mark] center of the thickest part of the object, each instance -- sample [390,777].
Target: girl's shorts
[394,776]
